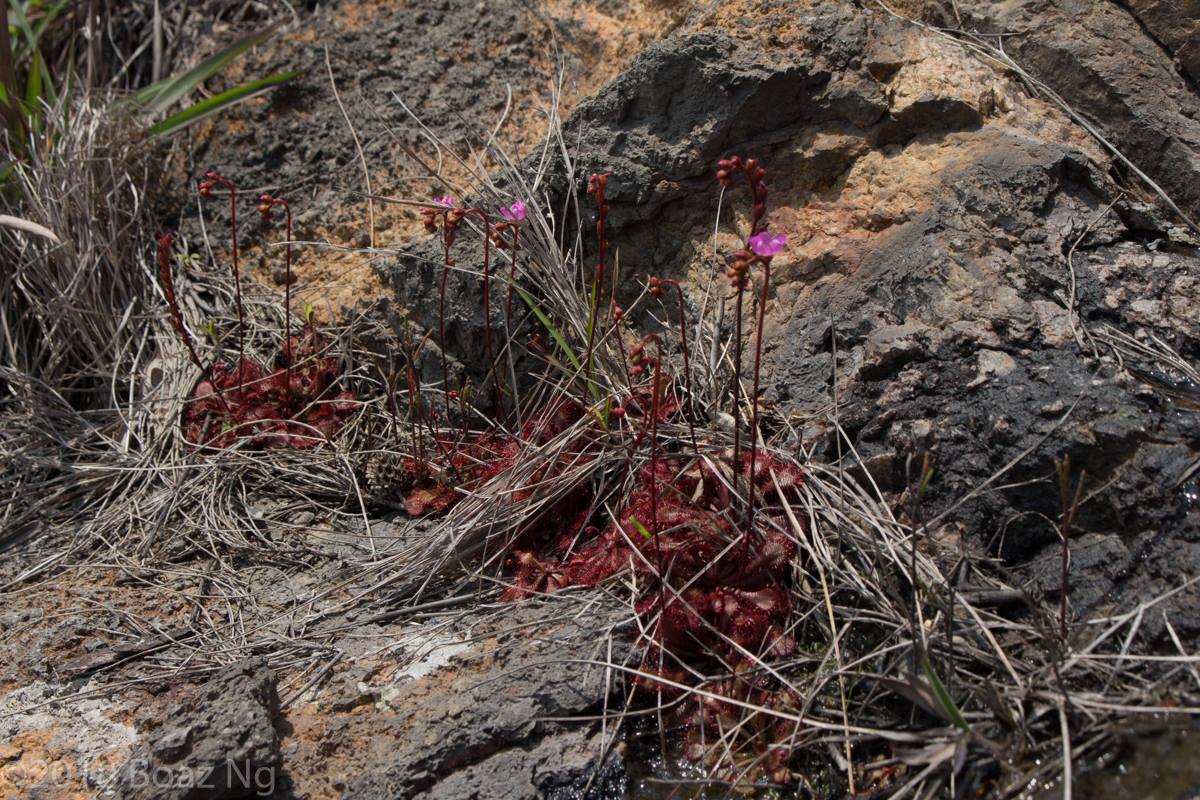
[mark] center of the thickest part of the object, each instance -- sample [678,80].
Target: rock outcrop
[1175,26]
[219,743]
[962,258]
[497,724]
[1101,61]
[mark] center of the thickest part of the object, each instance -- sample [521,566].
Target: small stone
[992,363]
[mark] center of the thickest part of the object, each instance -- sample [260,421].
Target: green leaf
[194,113]
[40,92]
[158,97]
[646,534]
[46,92]
[23,27]
[558,338]
[51,14]
[33,84]
[549,326]
[943,697]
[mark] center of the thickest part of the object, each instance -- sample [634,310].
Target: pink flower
[446,201]
[515,212]
[766,245]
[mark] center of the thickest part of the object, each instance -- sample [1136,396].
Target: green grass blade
[39,85]
[48,93]
[943,697]
[8,78]
[593,389]
[48,17]
[158,97]
[646,534]
[17,14]
[33,83]
[549,326]
[195,113]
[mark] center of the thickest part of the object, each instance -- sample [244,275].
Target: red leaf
[430,497]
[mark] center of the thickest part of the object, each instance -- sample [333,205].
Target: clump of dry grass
[77,343]
[94,378]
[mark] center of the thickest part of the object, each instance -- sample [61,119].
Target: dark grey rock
[1097,56]
[1175,26]
[219,743]
[498,724]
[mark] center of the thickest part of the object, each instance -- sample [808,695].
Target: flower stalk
[656,291]
[760,248]
[597,185]
[212,180]
[265,203]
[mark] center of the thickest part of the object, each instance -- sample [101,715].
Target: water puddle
[1147,763]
